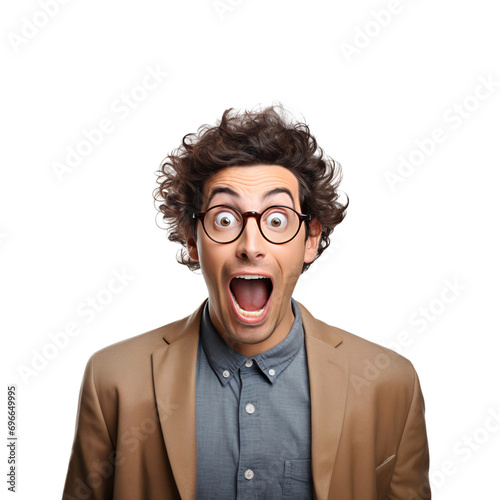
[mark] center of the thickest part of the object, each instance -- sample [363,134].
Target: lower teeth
[248,314]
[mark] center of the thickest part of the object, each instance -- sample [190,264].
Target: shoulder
[373,364]
[131,349]
[367,360]
[131,358]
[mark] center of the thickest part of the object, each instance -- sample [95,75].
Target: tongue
[251,295]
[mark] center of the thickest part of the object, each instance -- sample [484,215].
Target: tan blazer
[136,425]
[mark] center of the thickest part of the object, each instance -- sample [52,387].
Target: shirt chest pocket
[297,479]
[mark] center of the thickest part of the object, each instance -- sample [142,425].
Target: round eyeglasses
[225,223]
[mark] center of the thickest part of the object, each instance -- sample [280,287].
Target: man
[250,396]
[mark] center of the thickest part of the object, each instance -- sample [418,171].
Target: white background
[62,236]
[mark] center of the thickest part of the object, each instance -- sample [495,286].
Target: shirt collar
[225,361]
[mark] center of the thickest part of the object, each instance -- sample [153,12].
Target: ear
[191,245]
[312,242]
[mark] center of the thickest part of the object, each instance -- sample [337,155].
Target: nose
[251,244]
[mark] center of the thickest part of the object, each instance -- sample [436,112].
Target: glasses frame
[245,216]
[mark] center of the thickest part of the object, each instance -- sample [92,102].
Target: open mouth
[250,293]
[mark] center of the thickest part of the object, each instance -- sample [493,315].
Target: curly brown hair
[268,136]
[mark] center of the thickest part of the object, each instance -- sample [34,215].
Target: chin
[250,337]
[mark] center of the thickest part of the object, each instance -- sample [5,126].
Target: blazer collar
[174,378]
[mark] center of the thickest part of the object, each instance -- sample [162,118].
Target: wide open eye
[225,219]
[276,220]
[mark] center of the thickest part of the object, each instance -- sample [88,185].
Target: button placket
[250,447]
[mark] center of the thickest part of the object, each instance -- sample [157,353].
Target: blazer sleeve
[91,466]
[411,474]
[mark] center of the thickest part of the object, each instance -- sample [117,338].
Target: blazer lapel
[174,378]
[328,380]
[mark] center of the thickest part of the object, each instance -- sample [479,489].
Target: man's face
[252,188]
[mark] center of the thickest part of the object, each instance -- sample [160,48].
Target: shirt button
[249,474]
[272,372]
[250,408]
[249,363]
[225,373]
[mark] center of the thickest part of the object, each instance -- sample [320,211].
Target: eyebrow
[268,194]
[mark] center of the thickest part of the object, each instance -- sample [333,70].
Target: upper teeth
[251,276]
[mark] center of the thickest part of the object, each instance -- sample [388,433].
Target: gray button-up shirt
[253,419]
